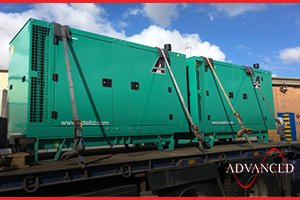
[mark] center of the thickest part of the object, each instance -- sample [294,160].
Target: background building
[3,79]
[286,93]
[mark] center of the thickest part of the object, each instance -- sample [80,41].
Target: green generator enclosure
[123,91]
[249,92]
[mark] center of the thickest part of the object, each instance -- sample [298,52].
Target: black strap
[78,140]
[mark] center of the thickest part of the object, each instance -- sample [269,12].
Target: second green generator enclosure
[249,93]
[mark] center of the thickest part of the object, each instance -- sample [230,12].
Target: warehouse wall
[3,79]
[288,102]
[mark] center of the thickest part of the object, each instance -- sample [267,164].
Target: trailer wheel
[264,185]
[194,190]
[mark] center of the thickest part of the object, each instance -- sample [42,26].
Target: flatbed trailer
[130,94]
[185,171]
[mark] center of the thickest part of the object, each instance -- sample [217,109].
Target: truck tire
[195,190]
[230,189]
[264,185]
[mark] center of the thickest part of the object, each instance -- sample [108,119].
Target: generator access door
[91,60]
[149,96]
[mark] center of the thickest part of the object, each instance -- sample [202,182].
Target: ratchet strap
[243,131]
[78,146]
[202,142]
[277,121]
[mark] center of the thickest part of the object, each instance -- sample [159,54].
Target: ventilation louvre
[198,89]
[199,107]
[198,78]
[39,64]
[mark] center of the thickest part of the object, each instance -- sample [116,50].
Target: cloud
[93,18]
[189,44]
[273,63]
[290,55]
[83,16]
[235,9]
[9,25]
[159,13]
[133,12]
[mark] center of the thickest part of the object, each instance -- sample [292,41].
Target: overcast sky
[268,34]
